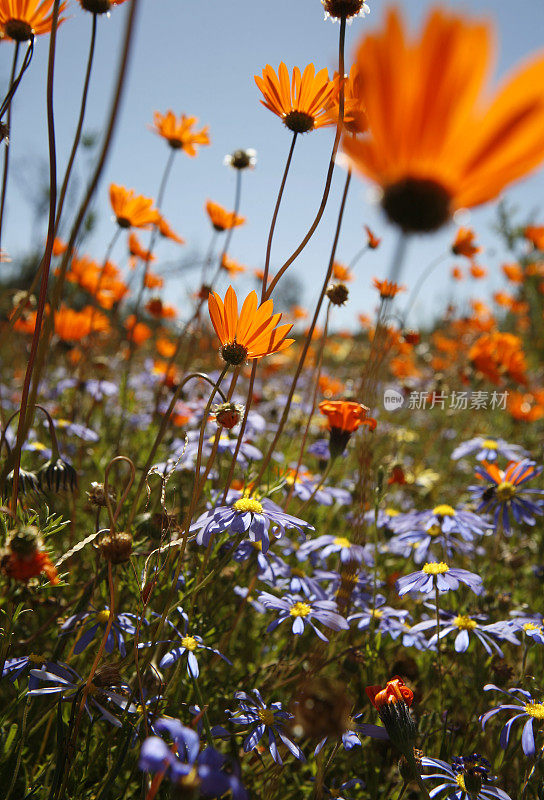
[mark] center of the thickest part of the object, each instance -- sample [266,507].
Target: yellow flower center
[36,659]
[435,568]
[490,444]
[506,490]
[392,512]
[465,623]
[189,642]
[460,781]
[376,613]
[530,626]
[248,504]
[444,511]
[434,530]
[103,616]
[297,572]
[535,710]
[300,609]
[341,541]
[266,715]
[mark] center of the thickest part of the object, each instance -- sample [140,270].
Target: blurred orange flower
[373,241]
[463,244]
[231,266]
[354,111]
[526,407]
[166,231]
[132,211]
[497,355]
[20,20]
[70,325]
[457,273]
[434,145]
[160,310]
[513,272]
[387,289]
[341,273]
[477,272]
[535,235]
[137,251]
[138,332]
[300,102]
[221,219]
[179,134]
[153,281]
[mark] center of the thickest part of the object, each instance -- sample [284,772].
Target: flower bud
[228,414]
[116,547]
[338,294]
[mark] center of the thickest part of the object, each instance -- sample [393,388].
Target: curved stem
[275,217]
[46,261]
[308,340]
[79,128]
[421,280]
[328,181]
[14,85]
[6,151]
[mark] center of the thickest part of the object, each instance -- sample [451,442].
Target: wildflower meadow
[271,523]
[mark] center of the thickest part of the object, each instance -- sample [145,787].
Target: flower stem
[6,151]
[438,651]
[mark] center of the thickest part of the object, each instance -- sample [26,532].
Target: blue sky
[200,58]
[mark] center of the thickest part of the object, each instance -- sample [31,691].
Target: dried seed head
[228,414]
[116,547]
[24,541]
[97,495]
[338,294]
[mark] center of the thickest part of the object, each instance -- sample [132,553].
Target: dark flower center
[342,8]
[234,353]
[19,30]
[123,222]
[417,205]
[96,6]
[299,122]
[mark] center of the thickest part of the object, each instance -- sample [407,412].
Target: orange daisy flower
[298,312]
[463,244]
[250,334]
[431,158]
[99,6]
[179,134]
[165,347]
[354,111]
[341,273]
[137,251]
[71,326]
[166,231]
[132,211]
[231,266]
[387,289]
[373,241]
[221,219]
[300,102]
[59,247]
[20,20]
[503,299]
[526,407]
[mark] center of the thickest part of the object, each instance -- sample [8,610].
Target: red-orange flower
[463,244]
[221,219]
[131,210]
[250,334]
[457,273]
[346,415]
[160,310]
[20,20]
[373,241]
[513,272]
[434,146]
[137,332]
[179,134]
[497,355]
[137,251]
[22,568]
[395,691]
[300,102]
[387,289]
